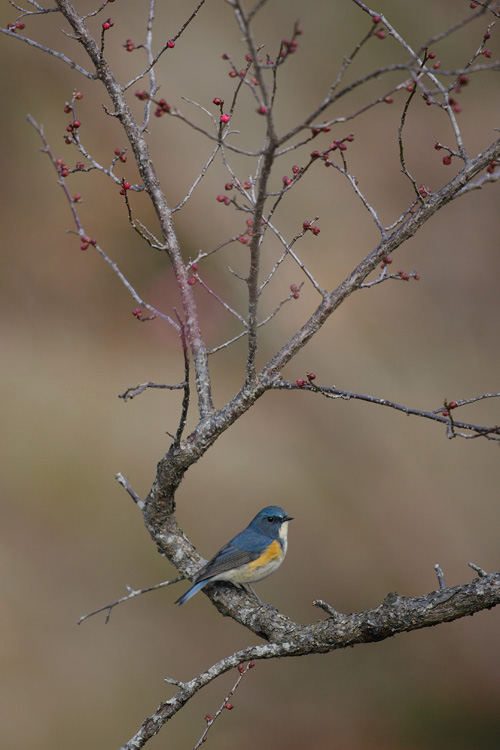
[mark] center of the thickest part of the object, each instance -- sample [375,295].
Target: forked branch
[396,614]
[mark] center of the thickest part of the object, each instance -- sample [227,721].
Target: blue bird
[252,555]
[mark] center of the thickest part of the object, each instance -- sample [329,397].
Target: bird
[250,556]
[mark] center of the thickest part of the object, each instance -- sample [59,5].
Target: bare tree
[256,193]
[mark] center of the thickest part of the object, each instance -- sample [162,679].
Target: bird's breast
[264,565]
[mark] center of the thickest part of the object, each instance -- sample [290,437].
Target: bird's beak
[288,518]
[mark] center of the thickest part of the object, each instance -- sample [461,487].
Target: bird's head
[272,521]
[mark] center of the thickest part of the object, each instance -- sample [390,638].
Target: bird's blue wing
[244,548]
[230,556]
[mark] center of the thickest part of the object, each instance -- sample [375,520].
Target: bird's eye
[270,519]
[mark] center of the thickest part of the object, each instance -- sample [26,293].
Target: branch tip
[172,681]
[480,572]
[126,485]
[440,576]
[326,608]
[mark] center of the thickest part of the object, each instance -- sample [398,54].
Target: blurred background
[378,498]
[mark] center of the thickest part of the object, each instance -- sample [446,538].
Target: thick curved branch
[396,614]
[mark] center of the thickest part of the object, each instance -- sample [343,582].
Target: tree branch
[396,614]
[387,246]
[49,51]
[491,433]
[131,595]
[151,183]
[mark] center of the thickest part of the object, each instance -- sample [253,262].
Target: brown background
[378,498]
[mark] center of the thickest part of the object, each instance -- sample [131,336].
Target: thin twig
[49,51]
[402,160]
[127,487]
[384,276]
[198,179]
[165,47]
[186,397]
[243,669]
[440,576]
[263,322]
[481,573]
[326,608]
[219,299]
[148,46]
[141,230]
[82,234]
[292,254]
[133,593]
[492,433]
[135,390]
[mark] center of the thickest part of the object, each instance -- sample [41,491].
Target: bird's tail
[191,592]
